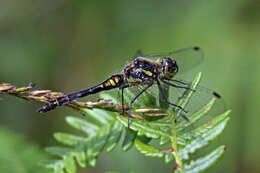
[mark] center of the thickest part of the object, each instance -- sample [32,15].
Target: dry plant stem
[152,112]
[45,96]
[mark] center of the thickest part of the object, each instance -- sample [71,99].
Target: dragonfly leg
[122,97]
[165,99]
[118,97]
[176,86]
[122,87]
[131,103]
[181,82]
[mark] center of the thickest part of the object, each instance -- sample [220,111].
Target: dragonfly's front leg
[132,101]
[122,87]
[177,86]
[166,101]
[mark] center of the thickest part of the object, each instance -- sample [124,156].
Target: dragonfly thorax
[169,68]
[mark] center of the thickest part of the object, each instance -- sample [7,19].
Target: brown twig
[45,96]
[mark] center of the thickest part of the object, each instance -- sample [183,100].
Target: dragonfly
[145,72]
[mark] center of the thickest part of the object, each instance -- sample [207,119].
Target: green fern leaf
[129,140]
[103,131]
[143,128]
[68,139]
[83,149]
[148,150]
[203,135]
[183,144]
[96,144]
[204,163]
[115,135]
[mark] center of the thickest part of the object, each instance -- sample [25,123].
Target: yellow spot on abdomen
[117,80]
[107,84]
[112,82]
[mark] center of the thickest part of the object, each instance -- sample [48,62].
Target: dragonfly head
[169,68]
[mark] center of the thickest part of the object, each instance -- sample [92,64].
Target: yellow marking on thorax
[148,73]
[134,80]
[102,86]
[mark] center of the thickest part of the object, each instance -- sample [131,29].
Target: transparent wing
[186,58]
[145,100]
[200,98]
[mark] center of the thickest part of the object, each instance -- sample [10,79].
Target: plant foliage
[103,130]
[17,155]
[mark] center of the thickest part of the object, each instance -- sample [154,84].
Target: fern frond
[106,129]
[84,150]
[160,138]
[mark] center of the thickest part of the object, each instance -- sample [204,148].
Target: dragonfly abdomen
[114,81]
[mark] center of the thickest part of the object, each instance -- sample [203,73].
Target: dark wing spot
[225,148]
[196,48]
[217,95]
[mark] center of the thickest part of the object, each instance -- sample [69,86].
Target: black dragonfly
[147,71]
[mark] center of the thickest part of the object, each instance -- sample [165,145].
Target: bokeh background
[69,45]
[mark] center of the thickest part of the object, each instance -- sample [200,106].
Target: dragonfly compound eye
[169,68]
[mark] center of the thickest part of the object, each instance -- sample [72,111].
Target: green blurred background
[70,45]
